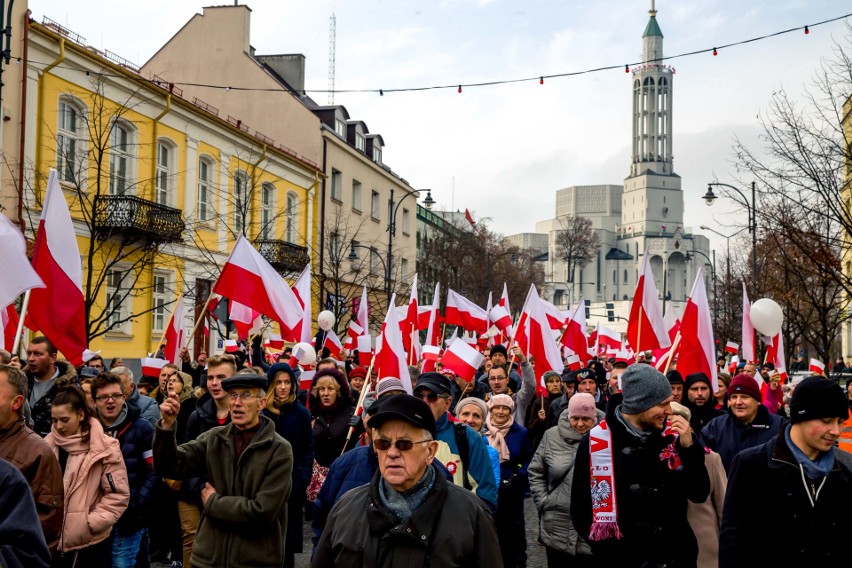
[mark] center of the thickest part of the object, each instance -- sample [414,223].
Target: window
[615,277]
[240,199]
[165,167]
[360,142]
[356,196]
[117,309]
[291,211]
[120,158]
[69,153]
[267,205]
[403,269]
[205,193]
[625,276]
[375,261]
[159,311]
[340,128]
[334,252]
[406,222]
[374,206]
[336,185]
[377,154]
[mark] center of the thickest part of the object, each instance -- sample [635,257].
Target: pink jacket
[96,488]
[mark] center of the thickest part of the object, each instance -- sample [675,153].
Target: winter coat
[244,523]
[555,454]
[524,395]
[451,528]
[728,436]
[535,425]
[329,430]
[96,490]
[650,498]
[706,518]
[202,419]
[768,513]
[480,473]
[148,408]
[21,540]
[135,436]
[702,415]
[28,452]
[475,390]
[520,452]
[40,410]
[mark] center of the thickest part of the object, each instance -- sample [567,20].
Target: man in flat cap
[248,467]
[409,514]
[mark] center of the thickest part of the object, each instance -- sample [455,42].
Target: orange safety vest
[845,441]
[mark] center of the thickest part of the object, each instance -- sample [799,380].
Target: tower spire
[653,10]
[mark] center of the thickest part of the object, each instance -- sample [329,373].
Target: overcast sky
[508,148]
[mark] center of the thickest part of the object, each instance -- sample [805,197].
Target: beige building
[359,197]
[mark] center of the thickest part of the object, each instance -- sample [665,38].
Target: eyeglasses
[430,396]
[383,445]
[244,396]
[105,397]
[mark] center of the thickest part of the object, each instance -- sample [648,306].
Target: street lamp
[428,202]
[710,198]
[353,256]
[713,274]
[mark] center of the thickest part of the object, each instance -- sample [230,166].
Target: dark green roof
[653,28]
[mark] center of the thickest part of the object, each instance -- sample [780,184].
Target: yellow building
[159,184]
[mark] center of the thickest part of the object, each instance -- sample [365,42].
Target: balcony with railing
[282,255]
[131,216]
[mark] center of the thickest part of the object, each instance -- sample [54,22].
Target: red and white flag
[542,347]
[555,317]
[573,362]
[274,341]
[332,343]
[18,273]
[231,346]
[302,290]
[306,378]
[151,367]
[365,350]
[462,359]
[410,327]
[575,337]
[354,331]
[433,332]
[392,360]
[431,352]
[646,323]
[817,367]
[362,318]
[249,279]
[732,347]
[778,357]
[748,338]
[520,335]
[462,312]
[697,346]
[500,317]
[603,336]
[9,323]
[59,309]
[175,334]
[245,319]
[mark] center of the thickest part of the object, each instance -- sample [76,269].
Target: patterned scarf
[403,504]
[497,436]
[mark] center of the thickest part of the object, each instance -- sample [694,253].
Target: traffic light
[610,311]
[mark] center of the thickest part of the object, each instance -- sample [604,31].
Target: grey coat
[553,457]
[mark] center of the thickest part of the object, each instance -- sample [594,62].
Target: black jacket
[21,540]
[40,411]
[650,499]
[329,430]
[768,515]
[728,436]
[451,528]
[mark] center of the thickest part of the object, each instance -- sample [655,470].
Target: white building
[646,213]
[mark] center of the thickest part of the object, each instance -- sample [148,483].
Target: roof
[617,254]
[653,28]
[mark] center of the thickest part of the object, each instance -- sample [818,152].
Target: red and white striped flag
[365,350]
[433,332]
[500,317]
[332,343]
[646,323]
[604,337]
[575,337]
[542,347]
[817,367]
[302,290]
[9,323]
[732,348]
[697,346]
[462,312]
[18,273]
[462,359]
[245,319]
[362,317]
[431,352]
[151,367]
[59,310]
[573,362]
[748,337]
[391,358]
[231,346]
[175,334]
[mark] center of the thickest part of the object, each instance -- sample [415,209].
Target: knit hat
[643,387]
[816,397]
[499,348]
[550,374]
[357,372]
[582,405]
[501,400]
[388,384]
[693,378]
[472,400]
[583,374]
[674,377]
[745,384]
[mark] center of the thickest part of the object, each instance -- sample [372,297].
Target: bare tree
[576,242]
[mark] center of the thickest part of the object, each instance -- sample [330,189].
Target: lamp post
[353,256]
[713,274]
[710,197]
[428,202]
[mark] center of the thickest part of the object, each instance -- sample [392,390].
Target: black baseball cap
[403,407]
[245,381]
[435,382]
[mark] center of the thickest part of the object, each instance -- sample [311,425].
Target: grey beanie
[643,387]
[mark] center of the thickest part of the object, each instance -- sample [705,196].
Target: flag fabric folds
[462,359]
[302,290]
[748,339]
[391,358]
[462,312]
[9,324]
[18,273]
[646,330]
[697,346]
[174,334]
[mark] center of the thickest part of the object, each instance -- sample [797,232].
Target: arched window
[70,140]
[267,206]
[122,158]
[164,180]
[292,212]
[615,276]
[625,276]
[240,201]
[205,188]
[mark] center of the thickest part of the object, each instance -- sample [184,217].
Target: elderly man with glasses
[414,516]
[248,467]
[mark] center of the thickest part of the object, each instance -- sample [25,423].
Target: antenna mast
[332,42]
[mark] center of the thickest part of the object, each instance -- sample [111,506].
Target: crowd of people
[219,461]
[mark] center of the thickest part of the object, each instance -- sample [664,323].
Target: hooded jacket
[21,540]
[331,425]
[147,406]
[40,411]
[554,456]
[728,436]
[96,489]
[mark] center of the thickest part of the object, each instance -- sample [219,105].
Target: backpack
[460,431]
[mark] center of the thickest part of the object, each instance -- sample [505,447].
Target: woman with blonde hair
[97,491]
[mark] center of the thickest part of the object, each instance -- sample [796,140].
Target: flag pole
[411,349]
[200,317]
[359,410]
[671,352]
[167,326]
[20,330]
[639,331]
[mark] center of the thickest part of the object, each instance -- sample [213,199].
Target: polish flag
[573,362]
[673,327]
[302,290]
[777,356]
[646,323]
[555,318]
[433,332]
[462,359]
[542,348]
[817,367]
[575,337]
[231,346]
[175,334]
[354,331]
[392,360]
[59,310]
[249,279]
[9,323]
[305,379]
[605,337]
[501,318]
[151,367]
[409,326]
[520,336]
[244,319]
[462,312]
[732,348]
[332,342]
[431,352]
[275,341]
[18,273]
[363,316]
[748,338]
[697,346]
[365,350]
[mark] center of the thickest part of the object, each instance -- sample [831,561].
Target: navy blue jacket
[520,452]
[22,542]
[135,436]
[727,436]
[294,425]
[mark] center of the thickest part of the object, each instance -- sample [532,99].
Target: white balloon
[309,356]
[326,320]
[766,317]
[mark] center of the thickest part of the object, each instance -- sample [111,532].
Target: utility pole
[332,47]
